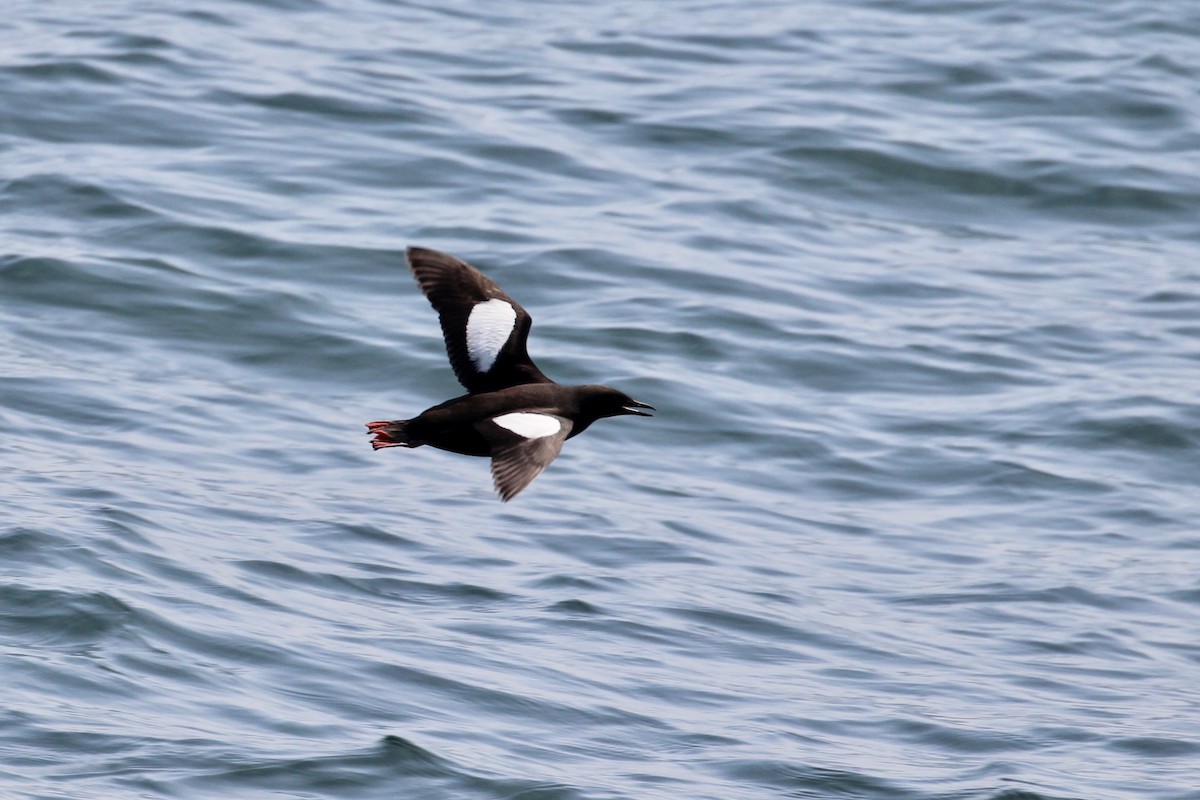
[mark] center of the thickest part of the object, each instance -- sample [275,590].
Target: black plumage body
[512,413]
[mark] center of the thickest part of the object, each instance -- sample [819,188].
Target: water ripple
[911,283]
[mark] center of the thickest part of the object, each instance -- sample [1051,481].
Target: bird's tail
[390,434]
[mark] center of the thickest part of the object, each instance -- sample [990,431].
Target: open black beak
[634,407]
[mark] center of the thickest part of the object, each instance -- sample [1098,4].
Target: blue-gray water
[913,283]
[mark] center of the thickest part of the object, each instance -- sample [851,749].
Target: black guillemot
[512,413]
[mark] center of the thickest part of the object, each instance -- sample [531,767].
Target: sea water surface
[914,285]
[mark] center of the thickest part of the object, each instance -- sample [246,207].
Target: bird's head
[605,401]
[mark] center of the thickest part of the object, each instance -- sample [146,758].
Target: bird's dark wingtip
[413,252]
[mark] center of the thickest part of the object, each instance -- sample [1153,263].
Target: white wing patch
[529,424]
[488,328]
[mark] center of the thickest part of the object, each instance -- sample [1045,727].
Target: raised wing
[523,444]
[485,329]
